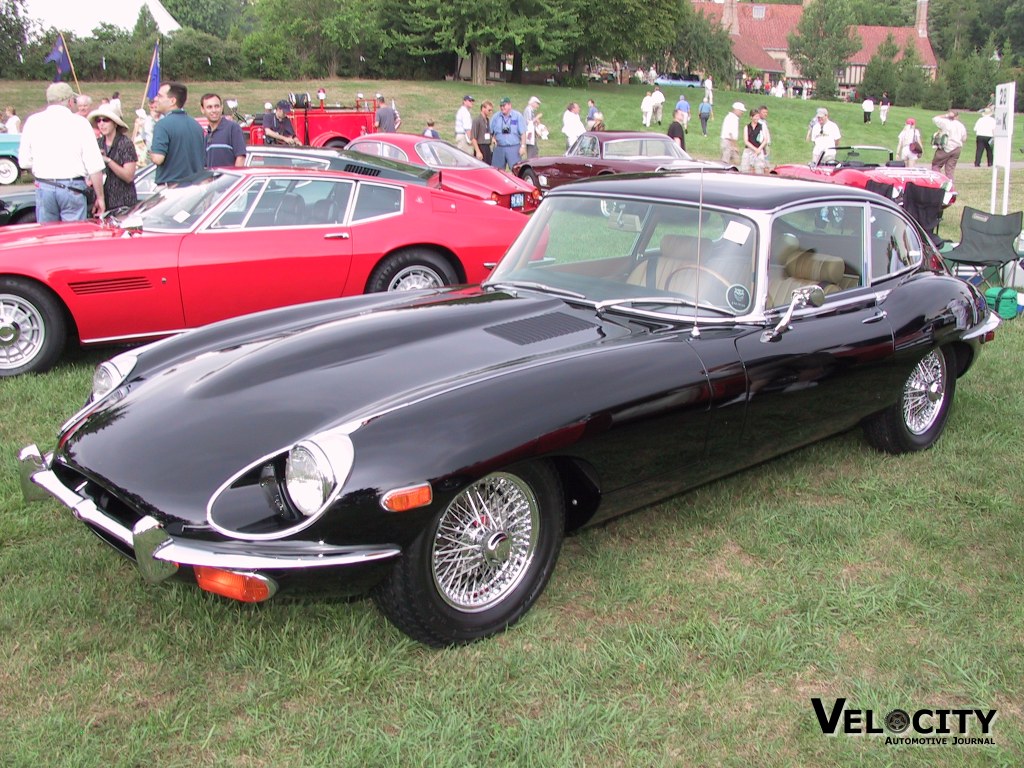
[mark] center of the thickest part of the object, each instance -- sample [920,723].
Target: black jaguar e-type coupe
[643,335]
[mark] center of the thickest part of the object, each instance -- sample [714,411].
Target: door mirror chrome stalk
[812,295]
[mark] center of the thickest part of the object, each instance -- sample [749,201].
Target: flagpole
[78,88]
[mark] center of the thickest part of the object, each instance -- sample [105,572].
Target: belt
[53,181]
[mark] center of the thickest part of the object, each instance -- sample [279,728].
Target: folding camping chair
[986,245]
[925,205]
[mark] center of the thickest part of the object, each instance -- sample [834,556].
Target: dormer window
[758,11]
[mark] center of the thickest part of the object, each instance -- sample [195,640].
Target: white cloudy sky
[82,16]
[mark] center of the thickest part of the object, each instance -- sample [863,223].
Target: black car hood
[188,426]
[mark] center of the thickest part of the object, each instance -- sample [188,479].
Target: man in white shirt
[824,136]
[984,130]
[868,105]
[657,104]
[731,133]
[13,123]
[60,148]
[464,125]
[954,134]
[572,124]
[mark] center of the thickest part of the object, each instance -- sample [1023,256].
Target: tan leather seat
[678,254]
[803,270]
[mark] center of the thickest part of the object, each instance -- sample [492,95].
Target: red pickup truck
[320,126]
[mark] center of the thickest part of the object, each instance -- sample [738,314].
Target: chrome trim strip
[280,555]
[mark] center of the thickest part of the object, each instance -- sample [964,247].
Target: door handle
[336,236]
[878,316]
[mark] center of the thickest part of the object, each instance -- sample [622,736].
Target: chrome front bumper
[159,554]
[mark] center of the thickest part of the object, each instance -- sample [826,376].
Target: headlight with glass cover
[285,492]
[109,375]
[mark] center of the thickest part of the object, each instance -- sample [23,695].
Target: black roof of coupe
[717,188]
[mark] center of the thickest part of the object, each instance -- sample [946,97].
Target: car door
[581,162]
[280,241]
[836,363]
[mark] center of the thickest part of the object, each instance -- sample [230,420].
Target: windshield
[608,249]
[180,208]
[440,154]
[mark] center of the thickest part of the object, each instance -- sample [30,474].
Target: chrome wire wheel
[414,278]
[485,542]
[924,393]
[22,331]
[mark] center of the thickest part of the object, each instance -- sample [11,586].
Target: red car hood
[56,233]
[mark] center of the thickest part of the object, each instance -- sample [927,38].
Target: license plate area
[518,200]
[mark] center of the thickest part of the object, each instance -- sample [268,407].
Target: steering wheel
[702,270]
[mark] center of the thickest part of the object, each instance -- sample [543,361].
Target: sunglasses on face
[104,120]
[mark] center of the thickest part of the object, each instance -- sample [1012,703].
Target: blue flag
[59,56]
[153,84]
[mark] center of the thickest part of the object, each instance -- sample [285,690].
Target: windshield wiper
[671,301]
[543,287]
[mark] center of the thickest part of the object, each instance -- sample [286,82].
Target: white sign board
[1003,134]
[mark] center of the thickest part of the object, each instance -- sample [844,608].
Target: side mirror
[812,295]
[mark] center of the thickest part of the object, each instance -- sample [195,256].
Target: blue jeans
[58,204]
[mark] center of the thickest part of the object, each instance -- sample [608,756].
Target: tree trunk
[517,66]
[478,66]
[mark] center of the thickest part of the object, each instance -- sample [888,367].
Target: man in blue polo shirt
[178,144]
[508,129]
[225,143]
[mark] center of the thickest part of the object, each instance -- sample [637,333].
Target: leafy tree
[912,82]
[703,45]
[880,75]
[823,43]
[193,55]
[13,34]
[883,13]
[215,17]
[145,26]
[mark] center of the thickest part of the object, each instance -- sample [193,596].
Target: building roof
[766,27]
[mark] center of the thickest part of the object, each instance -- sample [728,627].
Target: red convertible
[460,171]
[239,241]
[599,153]
[856,166]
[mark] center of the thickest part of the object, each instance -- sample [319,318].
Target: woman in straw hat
[119,155]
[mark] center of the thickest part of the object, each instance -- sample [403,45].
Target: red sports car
[598,153]
[239,241]
[460,171]
[856,166]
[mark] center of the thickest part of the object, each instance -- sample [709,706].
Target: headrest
[679,247]
[816,267]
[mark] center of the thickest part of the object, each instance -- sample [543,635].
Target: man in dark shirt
[225,143]
[277,126]
[676,131]
[178,144]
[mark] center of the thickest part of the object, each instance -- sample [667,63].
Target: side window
[587,147]
[238,209]
[374,200]
[894,244]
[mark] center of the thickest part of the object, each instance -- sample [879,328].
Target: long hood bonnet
[178,434]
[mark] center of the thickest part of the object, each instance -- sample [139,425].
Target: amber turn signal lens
[404,499]
[246,587]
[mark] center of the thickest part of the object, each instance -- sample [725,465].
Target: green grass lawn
[693,633]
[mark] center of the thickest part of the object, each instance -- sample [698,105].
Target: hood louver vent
[540,328]
[362,169]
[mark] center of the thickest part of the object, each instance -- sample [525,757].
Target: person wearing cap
[532,118]
[386,118]
[119,155]
[480,137]
[955,136]
[908,143]
[824,136]
[178,145]
[277,126]
[984,129]
[508,128]
[60,149]
[464,125]
[730,134]
[225,142]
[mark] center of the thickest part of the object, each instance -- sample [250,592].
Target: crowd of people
[84,158]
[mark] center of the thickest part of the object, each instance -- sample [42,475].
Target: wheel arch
[439,250]
[581,490]
[69,318]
